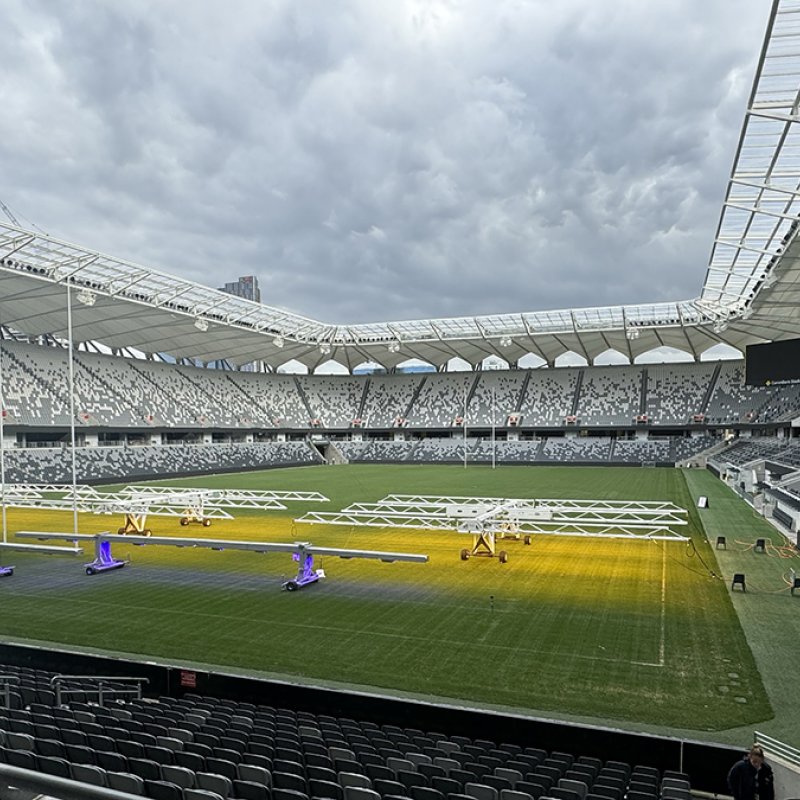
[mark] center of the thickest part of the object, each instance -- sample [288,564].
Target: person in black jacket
[751,778]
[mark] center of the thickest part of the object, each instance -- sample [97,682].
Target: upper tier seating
[133,393]
[676,392]
[609,396]
[441,400]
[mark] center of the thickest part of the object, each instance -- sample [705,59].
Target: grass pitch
[625,630]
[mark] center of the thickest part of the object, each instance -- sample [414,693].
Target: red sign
[188,679]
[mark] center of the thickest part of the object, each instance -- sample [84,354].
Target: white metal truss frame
[504,526]
[238,498]
[442,501]
[512,512]
[761,207]
[135,503]
[226,544]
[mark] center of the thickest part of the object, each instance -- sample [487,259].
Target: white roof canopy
[750,293]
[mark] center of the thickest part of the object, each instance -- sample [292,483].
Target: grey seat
[218,784]
[511,775]
[181,776]
[125,782]
[354,779]
[512,794]
[400,764]
[19,741]
[88,773]
[254,773]
[480,791]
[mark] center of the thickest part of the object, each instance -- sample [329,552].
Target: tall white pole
[72,413]
[494,440]
[465,426]
[2,447]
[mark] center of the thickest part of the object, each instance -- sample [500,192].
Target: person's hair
[756,750]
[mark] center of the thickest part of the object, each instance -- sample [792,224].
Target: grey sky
[384,160]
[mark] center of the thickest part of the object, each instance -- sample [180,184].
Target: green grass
[631,631]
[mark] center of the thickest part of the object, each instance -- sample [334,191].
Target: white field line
[662,639]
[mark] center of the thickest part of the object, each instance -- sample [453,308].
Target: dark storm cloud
[384,160]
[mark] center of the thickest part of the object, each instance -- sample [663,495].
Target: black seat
[446,785]
[161,755]
[147,770]
[250,790]
[426,793]
[609,792]
[410,779]
[130,749]
[53,766]
[535,789]
[192,761]
[112,762]
[80,754]
[386,787]
[326,789]
[21,758]
[221,766]
[287,780]
[559,793]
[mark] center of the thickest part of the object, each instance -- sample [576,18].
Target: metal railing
[6,682]
[106,687]
[37,783]
[774,747]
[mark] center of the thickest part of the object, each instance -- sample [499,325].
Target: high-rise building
[246,287]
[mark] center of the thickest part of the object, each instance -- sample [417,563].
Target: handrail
[103,690]
[6,682]
[777,748]
[62,788]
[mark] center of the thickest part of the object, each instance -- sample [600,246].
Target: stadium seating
[125,393]
[577,449]
[441,400]
[610,396]
[53,464]
[676,392]
[549,397]
[199,747]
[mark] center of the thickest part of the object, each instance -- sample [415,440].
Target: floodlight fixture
[633,333]
[278,341]
[201,324]
[769,280]
[394,347]
[325,348]
[505,341]
[86,297]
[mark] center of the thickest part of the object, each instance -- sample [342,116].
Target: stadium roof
[750,294]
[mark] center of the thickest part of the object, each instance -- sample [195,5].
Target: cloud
[374,161]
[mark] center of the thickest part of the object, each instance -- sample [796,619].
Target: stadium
[559,578]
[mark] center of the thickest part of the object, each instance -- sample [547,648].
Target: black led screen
[775,361]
